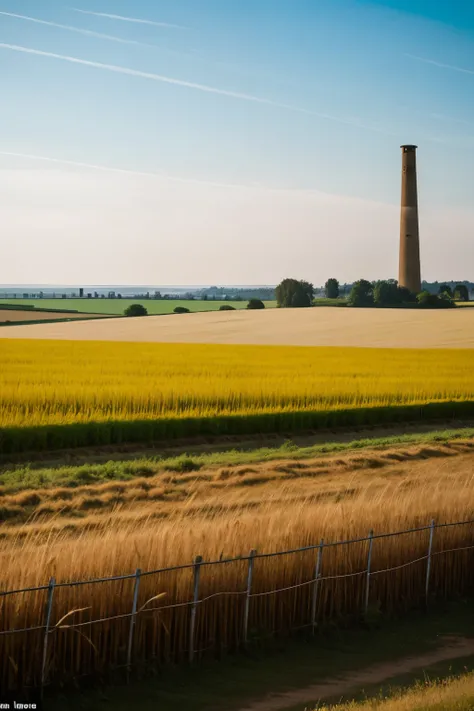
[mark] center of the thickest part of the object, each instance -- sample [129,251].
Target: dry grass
[322,326]
[221,514]
[452,695]
[167,494]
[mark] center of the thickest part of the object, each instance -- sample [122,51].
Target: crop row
[64,394]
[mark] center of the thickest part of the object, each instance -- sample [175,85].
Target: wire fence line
[248,593]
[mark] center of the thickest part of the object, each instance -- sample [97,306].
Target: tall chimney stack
[409,268]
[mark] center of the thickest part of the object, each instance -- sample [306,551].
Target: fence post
[133,618]
[317,574]
[197,573]
[252,555]
[369,562]
[428,563]
[49,608]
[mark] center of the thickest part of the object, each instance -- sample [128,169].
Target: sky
[232,141]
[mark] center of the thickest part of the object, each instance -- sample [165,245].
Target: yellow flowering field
[198,389]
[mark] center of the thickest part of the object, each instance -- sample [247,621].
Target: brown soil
[357,681]
[322,326]
[203,445]
[13,315]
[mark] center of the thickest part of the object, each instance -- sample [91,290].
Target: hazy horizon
[240,143]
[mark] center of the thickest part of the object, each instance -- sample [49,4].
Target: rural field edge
[51,437]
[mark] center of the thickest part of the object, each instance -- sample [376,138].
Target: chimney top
[408,147]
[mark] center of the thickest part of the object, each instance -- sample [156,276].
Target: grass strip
[29,476]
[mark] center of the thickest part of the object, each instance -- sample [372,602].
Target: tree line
[294,293]
[298,293]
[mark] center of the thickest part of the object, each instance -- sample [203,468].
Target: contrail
[128,19]
[442,117]
[79,30]
[440,64]
[127,171]
[187,84]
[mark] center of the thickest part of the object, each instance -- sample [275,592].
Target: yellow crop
[47,382]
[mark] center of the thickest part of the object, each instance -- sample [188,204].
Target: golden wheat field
[222,513]
[86,389]
[321,326]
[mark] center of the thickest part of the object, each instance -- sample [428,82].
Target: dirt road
[453,648]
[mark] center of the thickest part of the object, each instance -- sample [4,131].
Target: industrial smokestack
[409,268]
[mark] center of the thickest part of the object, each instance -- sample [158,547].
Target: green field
[117,306]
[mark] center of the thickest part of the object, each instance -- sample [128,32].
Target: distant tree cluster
[459,293]
[434,301]
[362,293]
[388,293]
[135,310]
[225,293]
[255,304]
[291,293]
[331,289]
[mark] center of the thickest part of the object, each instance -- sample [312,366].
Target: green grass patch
[117,306]
[30,476]
[341,301]
[15,306]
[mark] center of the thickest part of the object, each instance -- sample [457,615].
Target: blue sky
[274,125]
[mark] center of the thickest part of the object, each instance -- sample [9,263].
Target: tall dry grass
[277,516]
[451,695]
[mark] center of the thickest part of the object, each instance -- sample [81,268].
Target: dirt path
[373,675]
[204,445]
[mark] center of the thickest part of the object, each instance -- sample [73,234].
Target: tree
[285,293]
[388,293]
[362,293]
[406,296]
[226,307]
[445,289]
[180,310]
[135,310]
[300,299]
[434,301]
[255,304]
[331,289]
[461,293]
